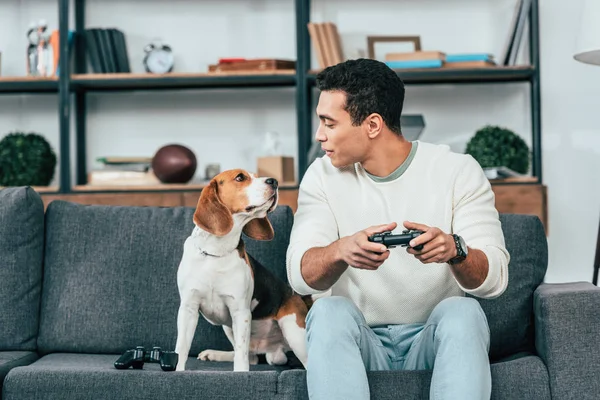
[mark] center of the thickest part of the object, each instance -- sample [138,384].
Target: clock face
[159,61]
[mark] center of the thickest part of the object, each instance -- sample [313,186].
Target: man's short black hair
[370,87]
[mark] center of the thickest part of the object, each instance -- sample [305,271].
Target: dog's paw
[227,356]
[216,355]
[276,358]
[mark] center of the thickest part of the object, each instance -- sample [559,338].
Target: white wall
[571,143]
[201,32]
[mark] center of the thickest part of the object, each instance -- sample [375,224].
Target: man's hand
[438,246]
[321,267]
[358,252]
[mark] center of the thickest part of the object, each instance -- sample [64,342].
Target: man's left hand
[438,246]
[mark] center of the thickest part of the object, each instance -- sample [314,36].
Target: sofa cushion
[13,359]
[110,277]
[21,256]
[524,378]
[510,316]
[87,376]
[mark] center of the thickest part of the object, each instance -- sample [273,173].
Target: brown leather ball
[174,163]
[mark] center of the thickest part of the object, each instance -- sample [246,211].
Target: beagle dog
[259,313]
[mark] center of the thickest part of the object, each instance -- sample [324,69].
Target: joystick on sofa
[137,357]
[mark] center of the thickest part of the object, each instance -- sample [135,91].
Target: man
[398,308]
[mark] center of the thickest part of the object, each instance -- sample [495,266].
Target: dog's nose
[272,182]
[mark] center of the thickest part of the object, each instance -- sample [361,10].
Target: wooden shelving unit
[78,83]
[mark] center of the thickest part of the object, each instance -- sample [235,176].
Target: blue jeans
[453,342]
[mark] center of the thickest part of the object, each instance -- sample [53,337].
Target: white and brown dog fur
[259,313]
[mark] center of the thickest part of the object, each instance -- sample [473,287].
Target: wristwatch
[461,250]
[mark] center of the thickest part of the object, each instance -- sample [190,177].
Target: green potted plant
[26,159]
[498,147]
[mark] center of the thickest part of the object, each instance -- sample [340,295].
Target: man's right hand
[358,252]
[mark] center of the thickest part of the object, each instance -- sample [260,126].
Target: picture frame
[373,40]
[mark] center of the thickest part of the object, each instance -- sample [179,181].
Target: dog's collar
[195,233]
[205,253]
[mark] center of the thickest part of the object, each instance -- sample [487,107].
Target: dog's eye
[240,177]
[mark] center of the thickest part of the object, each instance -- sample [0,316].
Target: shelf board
[123,82]
[41,189]
[461,75]
[515,180]
[163,187]
[283,78]
[28,84]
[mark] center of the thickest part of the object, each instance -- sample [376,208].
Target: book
[326,42]
[315,38]
[500,173]
[260,64]
[131,164]
[117,177]
[106,50]
[518,34]
[415,55]
[414,64]
[469,57]
[515,32]
[469,64]
[333,40]
[124,160]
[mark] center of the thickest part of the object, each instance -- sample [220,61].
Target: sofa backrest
[110,277]
[510,316]
[21,256]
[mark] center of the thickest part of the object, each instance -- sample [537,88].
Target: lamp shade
[588,42]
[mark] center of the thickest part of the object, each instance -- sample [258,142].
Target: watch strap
[460,253]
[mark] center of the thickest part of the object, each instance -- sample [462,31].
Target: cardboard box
[278,167]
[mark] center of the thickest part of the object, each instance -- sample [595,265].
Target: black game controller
[390,241]
[136,357]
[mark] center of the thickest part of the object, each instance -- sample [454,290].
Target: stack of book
[106,50]
[123,171]
[231,65]
[326,42]
[438,59]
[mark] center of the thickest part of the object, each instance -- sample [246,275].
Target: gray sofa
[79,285]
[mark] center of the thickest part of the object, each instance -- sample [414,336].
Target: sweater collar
[397,173]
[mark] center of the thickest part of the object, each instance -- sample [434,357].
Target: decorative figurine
[39,52]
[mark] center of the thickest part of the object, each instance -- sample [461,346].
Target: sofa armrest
[567,337]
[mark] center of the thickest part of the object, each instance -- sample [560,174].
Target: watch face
[463,245]
[159,61]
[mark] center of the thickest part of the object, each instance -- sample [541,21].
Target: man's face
[344,143]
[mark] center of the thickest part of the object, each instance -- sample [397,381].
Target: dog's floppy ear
[259,229]
[211,214]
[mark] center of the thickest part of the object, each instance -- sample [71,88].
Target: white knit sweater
[435,187]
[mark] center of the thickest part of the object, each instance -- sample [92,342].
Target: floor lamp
[588,52]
